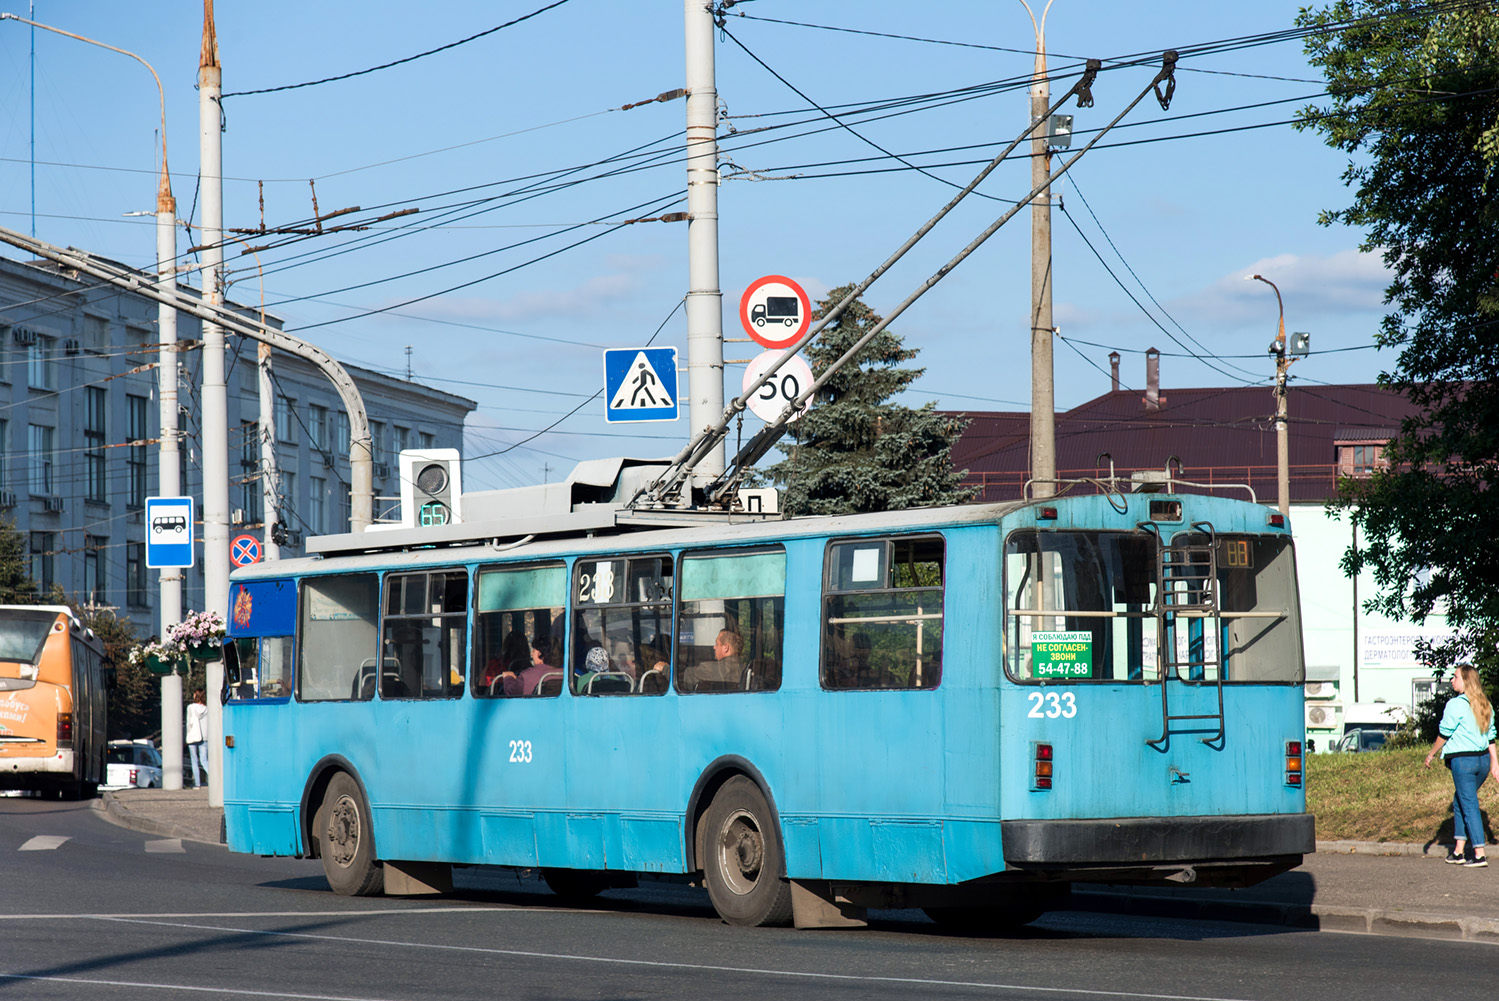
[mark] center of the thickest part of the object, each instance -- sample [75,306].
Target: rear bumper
[1134,841]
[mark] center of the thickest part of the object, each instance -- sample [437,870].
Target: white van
[1374,716]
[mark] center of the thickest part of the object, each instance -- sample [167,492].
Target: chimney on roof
[1114,370]
[1152,379]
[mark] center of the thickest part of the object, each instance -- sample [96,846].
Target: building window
[285,422]
[94,547]
[317,506]
[1360,459]
[286,497]
[41,366]
[44,560]
[340,433]
[345,510]
[40,459]
[427,439]
[135,574]
[317,427]
[96,407]
[4,452]
[377,441]
[249,479]
[135,407]
[401,439]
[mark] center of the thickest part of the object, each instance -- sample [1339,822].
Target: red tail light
[1043,767]
[1293,763]
[64,729]
[134,772]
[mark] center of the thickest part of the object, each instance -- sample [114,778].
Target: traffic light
[431,487]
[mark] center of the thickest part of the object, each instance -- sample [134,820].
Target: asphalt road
[89,910]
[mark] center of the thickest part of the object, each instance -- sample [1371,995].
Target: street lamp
[1301,344]
[166,374]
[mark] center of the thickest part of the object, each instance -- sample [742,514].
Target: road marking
[690,967]
[165,846]
[183,987]
[43,843]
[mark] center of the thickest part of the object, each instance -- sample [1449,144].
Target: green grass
[1386,796]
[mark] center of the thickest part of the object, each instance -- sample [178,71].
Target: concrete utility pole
[1283,362]
[168,468]
[1043,391]
[704,298]
[215,397]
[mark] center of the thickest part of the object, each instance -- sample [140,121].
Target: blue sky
[458,134]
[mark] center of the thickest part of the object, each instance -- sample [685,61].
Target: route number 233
[1050,705]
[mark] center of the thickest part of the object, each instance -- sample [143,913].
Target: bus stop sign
[169,532]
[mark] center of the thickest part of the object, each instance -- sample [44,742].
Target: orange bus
[53,682]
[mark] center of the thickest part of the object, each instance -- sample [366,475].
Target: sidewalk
[1377,889]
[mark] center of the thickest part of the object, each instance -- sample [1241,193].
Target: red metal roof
[1219,435]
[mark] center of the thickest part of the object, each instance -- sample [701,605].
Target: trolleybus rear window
[1095,606]
[22,636]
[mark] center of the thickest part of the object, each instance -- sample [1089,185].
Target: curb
[1307,917]
[111,810]
[1381,848]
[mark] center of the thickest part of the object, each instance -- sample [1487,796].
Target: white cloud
[1347,281]
[597,296]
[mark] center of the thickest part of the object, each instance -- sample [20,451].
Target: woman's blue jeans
[1468,774]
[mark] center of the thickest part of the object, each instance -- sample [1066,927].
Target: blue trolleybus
[963,709]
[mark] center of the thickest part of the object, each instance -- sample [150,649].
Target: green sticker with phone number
[1061,654]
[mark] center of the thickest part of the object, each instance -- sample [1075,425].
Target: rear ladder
[1187,596]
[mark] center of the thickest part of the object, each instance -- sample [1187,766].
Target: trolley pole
[1043,389]
[704,297]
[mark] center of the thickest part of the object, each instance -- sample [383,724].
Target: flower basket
[160,665]
[206,653]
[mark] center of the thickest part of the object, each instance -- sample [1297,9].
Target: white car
[132,764]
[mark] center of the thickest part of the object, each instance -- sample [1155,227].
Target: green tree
[135,701]
[854,450]
[1414,101]
[16,585]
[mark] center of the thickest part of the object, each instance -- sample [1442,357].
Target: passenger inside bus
[724,672]
[527,680]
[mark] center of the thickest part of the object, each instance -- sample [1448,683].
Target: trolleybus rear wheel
[347,840]
[743,859]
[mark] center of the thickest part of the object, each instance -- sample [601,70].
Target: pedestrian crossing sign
[640,384]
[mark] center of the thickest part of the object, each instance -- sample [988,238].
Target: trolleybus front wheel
[348,844]
[742,858]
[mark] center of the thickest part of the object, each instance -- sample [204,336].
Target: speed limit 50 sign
[789,381]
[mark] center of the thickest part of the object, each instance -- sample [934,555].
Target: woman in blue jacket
[1466,743]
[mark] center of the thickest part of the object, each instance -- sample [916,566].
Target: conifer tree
[856,451]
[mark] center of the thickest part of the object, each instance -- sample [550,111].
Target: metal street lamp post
[1283,360]
[169,470]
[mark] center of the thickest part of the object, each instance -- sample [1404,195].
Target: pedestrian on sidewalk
[197,730]
[1466,743]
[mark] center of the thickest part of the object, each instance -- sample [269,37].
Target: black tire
[743,859]
[576,885]
[347,840]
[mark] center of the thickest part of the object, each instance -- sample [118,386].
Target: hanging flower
[163,650]
[198,629]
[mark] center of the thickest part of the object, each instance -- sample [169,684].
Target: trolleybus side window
[731,619]
[258,667]
[621,622]
[340,643]
[262,629]
[425,635]
[882,613]
[518,631]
